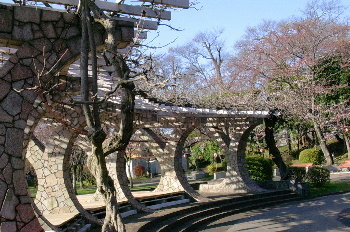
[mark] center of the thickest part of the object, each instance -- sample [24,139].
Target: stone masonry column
[169,154]
[239,135]
[52,196]
[117,170]
[47,41]
[233,144]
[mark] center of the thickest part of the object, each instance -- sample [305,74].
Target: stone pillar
[233,144]
[239,135]
[169,154]
[21,27]
[117,171]
[47,41]
[52,196]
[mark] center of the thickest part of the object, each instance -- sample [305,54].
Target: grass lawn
[330,188]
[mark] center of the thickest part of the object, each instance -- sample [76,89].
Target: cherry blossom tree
[282,60]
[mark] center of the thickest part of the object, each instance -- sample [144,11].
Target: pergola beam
[173,3]
[119,8]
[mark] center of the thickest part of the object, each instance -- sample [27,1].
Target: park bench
[344,165]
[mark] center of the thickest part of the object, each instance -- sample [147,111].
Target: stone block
[12,103]
[27,14]
[20,124]
[3,160]
[20,182]
[4,89]
[14,140]
[71,18]
[20,72]
[6,21]
[29,96]
[34,225]
[8,227]
[7,173]
[3,190]
[8,208]
[51,203]
[72,32]
[25,212]
[17,163]
[43,46]
[219,175]
[50,16]
[23,32]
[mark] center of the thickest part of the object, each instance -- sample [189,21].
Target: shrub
[224,165]
[91,180]
[311,156]
[298,173]
[139,170]
[259,167]
[318,176]
[211,168]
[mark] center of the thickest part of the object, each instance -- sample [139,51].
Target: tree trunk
[340,140]
[105,185]
[74,178]
[80,176]
[323,145]
[273,150]
[289,143]
[96,161]
[347,142]
[128,165]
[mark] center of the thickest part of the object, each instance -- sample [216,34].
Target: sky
[233,16]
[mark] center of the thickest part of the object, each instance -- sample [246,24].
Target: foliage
[139,170]
[336,148]
[83,191]
[259,167]
[318,176]
[312,155]
[91,180]
[224,165]
[329,188]
[211,168]
[298,173]
[256,141]
[203,152]
[337,76]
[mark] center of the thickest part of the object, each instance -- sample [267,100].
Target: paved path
[330,213]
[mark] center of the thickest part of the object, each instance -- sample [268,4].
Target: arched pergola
[46,44]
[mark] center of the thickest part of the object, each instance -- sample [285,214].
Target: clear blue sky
[234,16]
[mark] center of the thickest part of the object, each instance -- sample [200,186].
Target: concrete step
[204,213]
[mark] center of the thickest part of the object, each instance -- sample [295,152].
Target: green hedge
[259,167]
[311,155]
[318,176]
[298,173]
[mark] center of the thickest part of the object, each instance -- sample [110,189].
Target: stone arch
[232,140]
[169,154]
[242,169]
[51,162]
[18,77]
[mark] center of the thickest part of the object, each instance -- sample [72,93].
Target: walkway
[330,213]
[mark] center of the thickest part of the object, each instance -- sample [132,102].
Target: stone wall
[47,41]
